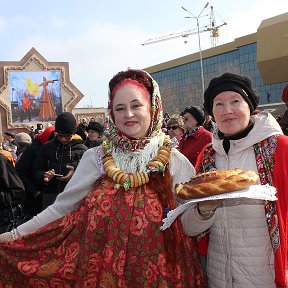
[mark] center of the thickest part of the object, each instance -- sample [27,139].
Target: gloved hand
[206,209]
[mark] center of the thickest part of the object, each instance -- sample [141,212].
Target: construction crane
[174,35]
[214,32]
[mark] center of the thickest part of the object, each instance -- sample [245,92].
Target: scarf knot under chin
[124,143]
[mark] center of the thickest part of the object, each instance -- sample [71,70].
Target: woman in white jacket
[247,244]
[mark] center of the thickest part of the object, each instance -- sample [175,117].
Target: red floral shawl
[112,239]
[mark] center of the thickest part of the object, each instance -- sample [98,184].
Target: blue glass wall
[181,86]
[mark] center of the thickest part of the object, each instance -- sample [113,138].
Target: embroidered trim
[264,152]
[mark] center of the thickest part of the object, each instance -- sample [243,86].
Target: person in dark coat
[59,158]
[25,166]
[11,194]
[95,132]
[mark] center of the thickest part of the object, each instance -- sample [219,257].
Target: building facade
[262,56]
[96,114]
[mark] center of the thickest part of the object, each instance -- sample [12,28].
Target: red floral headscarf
[119,139]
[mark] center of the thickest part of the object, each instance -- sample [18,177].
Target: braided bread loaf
[215,183]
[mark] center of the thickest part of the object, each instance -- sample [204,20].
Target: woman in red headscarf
[104,229]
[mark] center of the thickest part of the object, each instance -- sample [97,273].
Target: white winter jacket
[239,252]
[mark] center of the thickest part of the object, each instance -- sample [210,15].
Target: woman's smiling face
[132,110]
[231,112]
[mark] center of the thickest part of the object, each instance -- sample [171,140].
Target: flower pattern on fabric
[265,162]
[113,239]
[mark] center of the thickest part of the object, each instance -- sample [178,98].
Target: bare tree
[170,97]
[176,98]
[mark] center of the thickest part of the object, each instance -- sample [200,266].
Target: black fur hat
[230,82]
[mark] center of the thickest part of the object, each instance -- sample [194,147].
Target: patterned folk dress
[112,240]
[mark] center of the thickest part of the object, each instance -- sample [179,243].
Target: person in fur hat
[248,238]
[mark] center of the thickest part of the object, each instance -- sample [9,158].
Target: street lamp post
[199,42]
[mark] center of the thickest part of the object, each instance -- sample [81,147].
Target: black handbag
[11,218]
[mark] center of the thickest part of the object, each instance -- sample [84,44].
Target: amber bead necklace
[134,180]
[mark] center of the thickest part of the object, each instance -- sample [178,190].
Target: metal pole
[201,62]
[199,43]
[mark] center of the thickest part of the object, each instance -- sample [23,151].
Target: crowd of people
[36,156]
[95,203]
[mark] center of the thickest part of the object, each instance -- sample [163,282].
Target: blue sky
[100,38]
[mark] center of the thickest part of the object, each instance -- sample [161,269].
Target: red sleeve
[280,181]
